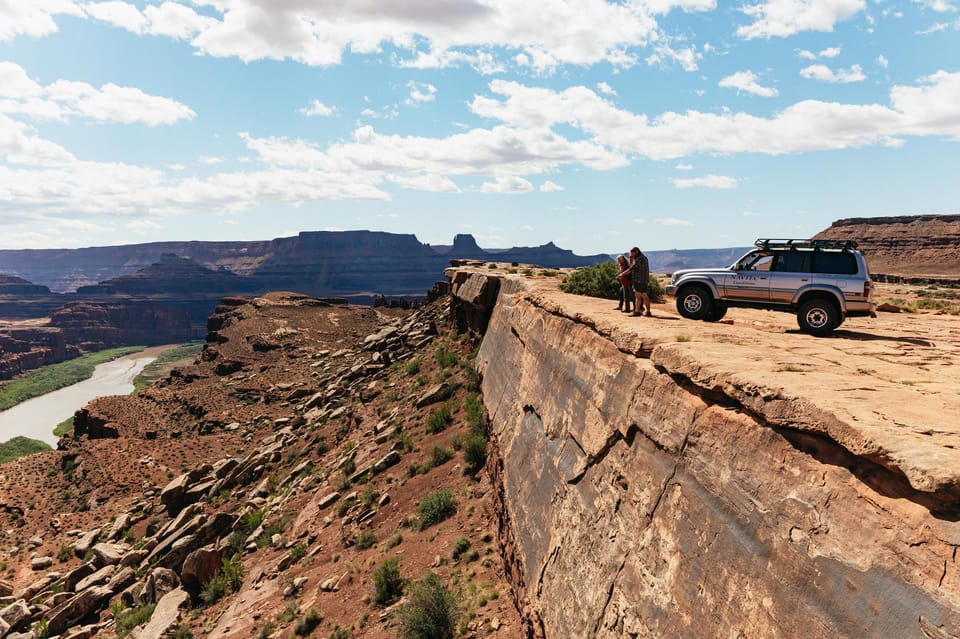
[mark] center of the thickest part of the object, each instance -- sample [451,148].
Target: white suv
[822,281]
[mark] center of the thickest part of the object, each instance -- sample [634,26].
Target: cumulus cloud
[507,184]
[782,18]
[605,88]
[318,108]
[940,6]
[882,61]
[33,18]
[747,81]
[683,167]
[707,182]
[65,99]
[550,187]
[826,74]
[432,183]
[426,33]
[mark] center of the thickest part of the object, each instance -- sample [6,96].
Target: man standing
[640,280]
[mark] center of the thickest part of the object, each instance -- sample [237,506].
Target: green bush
[436,507]
[460,546]
[307,623]
[599,280]
[228,579]
[180,631]
[387,584]
[412,367]
[432,611]
[340,632]
[474,453]
[130,619]
[445,358]
[440,456]
[439,419]
[365,540]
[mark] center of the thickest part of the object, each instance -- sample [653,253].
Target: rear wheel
[818,316]
[694,302]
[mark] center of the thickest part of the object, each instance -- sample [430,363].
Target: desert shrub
[440,456]
[655,290]
[474,453]
[41,629]
[365,540]
[228,579]
[339,632]
[439,419]
[599,280]
[473,407]
[387,583]
[298,552]
[130,619]
[412,367]
[445,358]
[431,612]
[181,631]
[266,630]
[436,507]
[307,623]
[65,553]
[395,540]
[460,546]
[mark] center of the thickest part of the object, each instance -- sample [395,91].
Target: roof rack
[767,244]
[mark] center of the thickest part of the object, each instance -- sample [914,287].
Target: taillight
[867,289]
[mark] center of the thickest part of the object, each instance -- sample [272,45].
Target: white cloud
[826,74]
[420,92]
[940,6]
[782,18]
[19,146]
[33,18]
[707,182]
[882,61]
[683,167]
[550,187]
[605,88]
[64,99]
[830,52]
[807,55]
[432,183]
[209,160]
[142,226]
[672,221]
[120,14]
[318,108]
[174,20]
[747,81]
[507,184]
[687,57]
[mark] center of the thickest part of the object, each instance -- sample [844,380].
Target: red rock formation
[904,245]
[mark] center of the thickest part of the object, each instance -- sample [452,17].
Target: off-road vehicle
[822,281]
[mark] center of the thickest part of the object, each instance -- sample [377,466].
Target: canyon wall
[652,486]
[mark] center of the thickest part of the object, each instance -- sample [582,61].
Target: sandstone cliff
[918,245]
[667,478]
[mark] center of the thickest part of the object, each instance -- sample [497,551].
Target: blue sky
[596,125]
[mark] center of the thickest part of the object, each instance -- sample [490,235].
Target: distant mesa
[13,285]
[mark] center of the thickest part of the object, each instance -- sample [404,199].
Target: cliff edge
[666,478]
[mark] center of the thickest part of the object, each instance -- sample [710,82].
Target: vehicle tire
[719,310]
[818,316]
[694,302]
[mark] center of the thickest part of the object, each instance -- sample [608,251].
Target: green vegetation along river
[36,418]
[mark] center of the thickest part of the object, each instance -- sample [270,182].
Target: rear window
[840,263]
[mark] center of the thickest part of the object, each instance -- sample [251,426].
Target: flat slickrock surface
[884,388]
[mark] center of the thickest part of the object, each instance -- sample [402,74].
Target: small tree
[387,584]
[432,611]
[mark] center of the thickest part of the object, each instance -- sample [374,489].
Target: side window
[762,263]
[838,263]
[793,262]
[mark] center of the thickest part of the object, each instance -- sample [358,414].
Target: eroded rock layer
[640,498]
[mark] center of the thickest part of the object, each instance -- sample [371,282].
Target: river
[36,418]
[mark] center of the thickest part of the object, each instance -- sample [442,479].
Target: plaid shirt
[640,271]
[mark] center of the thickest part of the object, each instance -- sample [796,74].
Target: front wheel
[719,310]
[694,302]
[818,316]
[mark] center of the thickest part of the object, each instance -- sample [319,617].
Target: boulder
[41,563]
[199,567]
[96,578]
[70,612]
[15,614]
[158,583]
[85,542]
[434,394]
[109,554]
[166,614]
[122,579]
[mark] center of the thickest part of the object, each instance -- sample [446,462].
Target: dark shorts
[639,287]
